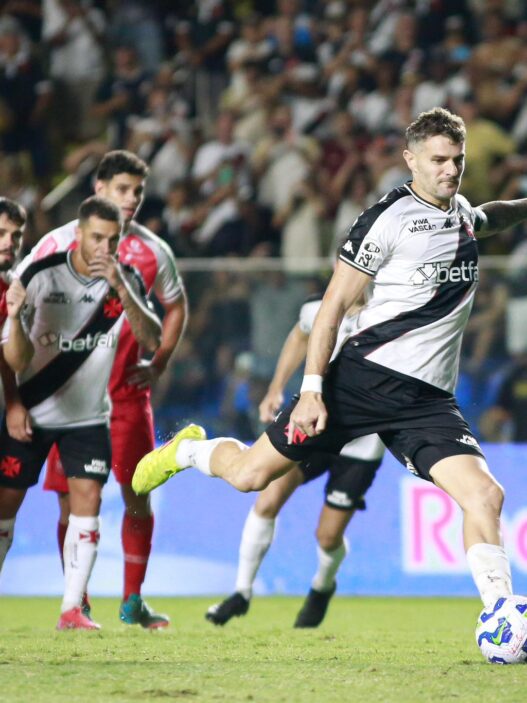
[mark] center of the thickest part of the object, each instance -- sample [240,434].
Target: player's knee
[266,508]
[328,540]
[490,495]
[250,480]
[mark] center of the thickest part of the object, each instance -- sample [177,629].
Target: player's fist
[309,416]
[15,299]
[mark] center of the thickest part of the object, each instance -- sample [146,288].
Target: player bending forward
[396,374]
[121,178]
[64,319]
[350,476]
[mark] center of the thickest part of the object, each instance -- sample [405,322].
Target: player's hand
[18,422]
[270,405]
[104,265]
[142,374]
[309,416]
[15,299]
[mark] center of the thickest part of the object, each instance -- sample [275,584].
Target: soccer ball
[501,632]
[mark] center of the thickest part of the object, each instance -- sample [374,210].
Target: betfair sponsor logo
[446,273]
[88,343]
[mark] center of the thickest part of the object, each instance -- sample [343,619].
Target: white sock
[491,572]
[80,551]
[197,452]
[7,528]
[256,539]
[328,565]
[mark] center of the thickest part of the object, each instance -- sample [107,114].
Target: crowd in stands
[268,127]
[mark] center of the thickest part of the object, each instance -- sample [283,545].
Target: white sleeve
[369,241]
[308,312]
[168,286]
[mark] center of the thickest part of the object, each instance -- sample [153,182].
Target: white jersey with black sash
[73,323]
[424,266]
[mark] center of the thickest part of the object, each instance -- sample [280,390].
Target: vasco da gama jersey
[424,266]
[73,323]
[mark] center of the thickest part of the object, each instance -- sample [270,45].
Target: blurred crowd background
[268,127]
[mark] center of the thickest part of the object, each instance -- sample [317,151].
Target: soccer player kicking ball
[121,178]
[395,375]
[350,476]
[64,319]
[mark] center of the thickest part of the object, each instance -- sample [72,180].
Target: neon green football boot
[159,465]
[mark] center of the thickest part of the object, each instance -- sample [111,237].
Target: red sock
[61,535]
[136,535]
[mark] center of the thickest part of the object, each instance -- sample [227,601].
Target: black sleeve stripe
[41,265]
[138,278]
[367,219]
[355,265]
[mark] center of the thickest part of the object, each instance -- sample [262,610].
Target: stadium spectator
[504,421]
[52,379]
[75,35]
[25,99]
[123,93]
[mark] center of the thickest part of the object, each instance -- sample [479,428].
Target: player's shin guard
[80,551]
[328,565]
[7,529]
[136,536]
[256,539]
[491,572]
[197,453]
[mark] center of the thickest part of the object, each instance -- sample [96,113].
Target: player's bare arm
[344,290]
[144,323]
[292,354]
[173,327]
[18,349]
[502,214]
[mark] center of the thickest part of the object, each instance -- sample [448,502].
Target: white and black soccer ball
[501,632]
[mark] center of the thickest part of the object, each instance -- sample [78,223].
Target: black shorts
[418,423]
[85,453]
[348,480]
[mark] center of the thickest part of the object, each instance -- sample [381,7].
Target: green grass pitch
[368,649]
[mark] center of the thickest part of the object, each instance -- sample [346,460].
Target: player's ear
[409,157]
[78,233]
[98,187]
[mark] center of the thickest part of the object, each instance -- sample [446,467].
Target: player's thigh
[467,479]
[86,457]
[132,435]
[21,462]
[271,500]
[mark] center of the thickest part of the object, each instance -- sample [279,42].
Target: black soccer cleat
[314,609]
[231,607]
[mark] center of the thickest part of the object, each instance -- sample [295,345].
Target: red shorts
[132,433]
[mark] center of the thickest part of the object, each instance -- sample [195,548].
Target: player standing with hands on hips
[64,319]
[395,375]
